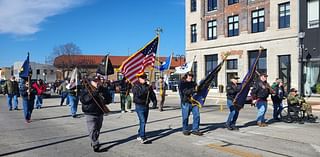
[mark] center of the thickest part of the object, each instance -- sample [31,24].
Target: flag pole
[158,31]
[106,62]
[29,78]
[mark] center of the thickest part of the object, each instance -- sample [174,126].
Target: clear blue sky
[96,26]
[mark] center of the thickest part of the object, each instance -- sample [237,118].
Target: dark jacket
[73,89]
[11,87]
[260,90]
[140,94]
[23,91]
[125,87]
[89,105]
[111,86]
[232,90]
[187,89]
[279,94]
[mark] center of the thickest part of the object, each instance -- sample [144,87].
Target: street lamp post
[301,49]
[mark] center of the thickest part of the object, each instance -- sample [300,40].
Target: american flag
[136,63]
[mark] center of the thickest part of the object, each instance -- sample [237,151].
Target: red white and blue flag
[136,63]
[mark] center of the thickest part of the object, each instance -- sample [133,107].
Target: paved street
[54,133]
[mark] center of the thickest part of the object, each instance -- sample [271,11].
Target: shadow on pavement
[82,136]
[152,136]
[250,123]
[43,107]
[211,126]
[64,116]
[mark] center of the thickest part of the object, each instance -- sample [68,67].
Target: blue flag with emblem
[25,70]
[241,96]
[199,97]
[165,65]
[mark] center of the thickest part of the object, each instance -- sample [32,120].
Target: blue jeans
[186,108]
[38,101]
[112,92]
[15,101]
[233,115]
[27,107]
[74,100]
[142,112]
[277,108]
[262,109]
[64,95]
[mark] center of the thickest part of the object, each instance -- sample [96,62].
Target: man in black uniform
[141,97]
[187,89]
[232,89]
[125,87]
[260,92]
[93,97]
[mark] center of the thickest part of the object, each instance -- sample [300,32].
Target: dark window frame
[284,21]
[212,5]
[213,29]
[287,82]
[195,70]
[262,66]
[211,61]
[193,5]
[235,22]
[232,64]
[193,33]
[231,2]
[260,26]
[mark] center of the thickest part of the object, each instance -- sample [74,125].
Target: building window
[285,71]
[313,13]
[232,64]
[193,33]
[212,30]
[193,5]
[284,15]
[257,21]
[211,61]
[231,75]
[157,75]
[311,78]
[230,2]
[195,71]
[262,62]
[212,5]
[233,26]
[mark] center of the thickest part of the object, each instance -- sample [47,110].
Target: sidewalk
[314,101]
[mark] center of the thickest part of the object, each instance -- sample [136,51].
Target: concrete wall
[50,70]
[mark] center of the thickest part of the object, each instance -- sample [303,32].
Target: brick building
[88,65]
[214,27]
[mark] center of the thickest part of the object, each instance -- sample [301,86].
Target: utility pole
[158,30]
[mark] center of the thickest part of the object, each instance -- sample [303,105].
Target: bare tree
[65,49]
